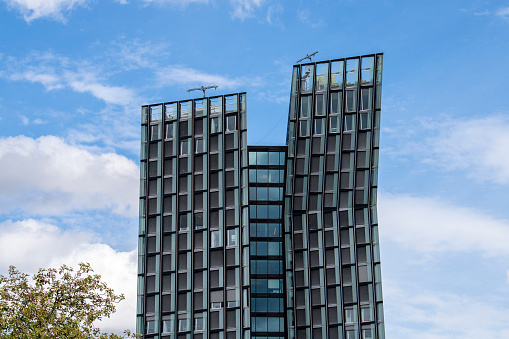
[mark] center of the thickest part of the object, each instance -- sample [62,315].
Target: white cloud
[137,54]
[243,9]
[307,18]
[49,81]
[432,225]
[503,13]
[273,13]
[109,94]
[55,72]
[52,9]
[38,244]
[184,76]
[25,121]
[476,145]
[48,176]
[417,313]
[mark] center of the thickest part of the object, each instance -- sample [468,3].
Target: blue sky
[74,73]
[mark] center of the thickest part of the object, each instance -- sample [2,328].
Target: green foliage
[59,303]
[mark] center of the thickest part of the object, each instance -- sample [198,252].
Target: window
[199,146]
[198,220]
[233,303]
[170,133]
[183,325]
[321,104]
[350,316]
[352,67]
[151,326]
[231,103]
[154,135]
[216,305]
[306,84]
[351,101]
[367,334]
[367,64]
[365,120]
[366,314]
[184,109]
[231,123]
[214,125]
[198,108]
[199,324]
[319,126]
[336,74]
[167,326]
[184,147]
[183,222]
[171,111]
[350,334]
[215,105]
[335,103]
[334,122]
[232,238]
[366,98]
[215,239]
[349,123]
[155,113]
[305,106]
[304,128]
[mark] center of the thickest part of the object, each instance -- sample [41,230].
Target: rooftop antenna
[202,88]
[308,56]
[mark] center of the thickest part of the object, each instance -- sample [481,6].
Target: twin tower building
[274,242]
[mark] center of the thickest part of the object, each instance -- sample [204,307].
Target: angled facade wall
[330,204]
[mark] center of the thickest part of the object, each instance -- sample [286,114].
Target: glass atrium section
[193,254]
[266,187]
[333,258]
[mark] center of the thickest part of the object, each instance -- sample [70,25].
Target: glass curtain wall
[333,259]
[193,275]
[266,186]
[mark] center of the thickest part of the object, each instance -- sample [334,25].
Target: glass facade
[193,277]
[267,241]
[333,258]
[266,191]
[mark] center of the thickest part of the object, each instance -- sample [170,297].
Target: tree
[60,303]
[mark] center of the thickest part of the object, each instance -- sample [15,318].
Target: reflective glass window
[335,102]
[231,123]
[349,124]
[170,132]
[304,128]
[214,125]
[336,74]
[351,101]
[171,111]
[366,98]
[319,126]
[321,104]
[334,124]
[352,66]
[184,147]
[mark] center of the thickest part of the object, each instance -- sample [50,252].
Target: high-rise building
[281,241]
